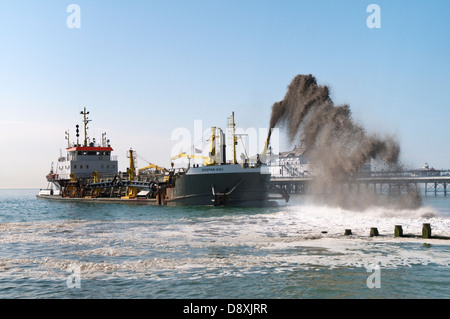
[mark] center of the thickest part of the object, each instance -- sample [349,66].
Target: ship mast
[85,121]
[67,138]
[78,134]
[232,126]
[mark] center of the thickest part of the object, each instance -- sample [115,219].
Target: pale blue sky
[144,68]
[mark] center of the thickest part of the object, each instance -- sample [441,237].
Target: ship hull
[221,185]
[228,185]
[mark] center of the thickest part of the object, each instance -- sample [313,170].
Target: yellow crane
[151,165]
[208,160]
[183,154]
[132,169]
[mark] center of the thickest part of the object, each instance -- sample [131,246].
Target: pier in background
[380,182]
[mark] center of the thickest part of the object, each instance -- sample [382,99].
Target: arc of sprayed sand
[333,139]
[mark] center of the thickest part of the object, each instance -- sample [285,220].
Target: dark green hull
[246,187]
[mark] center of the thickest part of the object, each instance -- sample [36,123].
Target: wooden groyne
[398,232]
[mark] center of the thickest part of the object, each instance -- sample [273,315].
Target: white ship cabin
[84,160]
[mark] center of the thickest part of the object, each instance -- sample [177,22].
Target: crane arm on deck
[151,165]
[188,156]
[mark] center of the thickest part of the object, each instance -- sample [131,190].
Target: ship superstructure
[83,161]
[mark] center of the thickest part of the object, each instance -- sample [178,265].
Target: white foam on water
[295,237]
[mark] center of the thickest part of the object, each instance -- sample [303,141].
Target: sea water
[92,250]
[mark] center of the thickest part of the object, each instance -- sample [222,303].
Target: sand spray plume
[337,146]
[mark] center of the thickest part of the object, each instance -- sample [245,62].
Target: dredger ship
[89,172]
